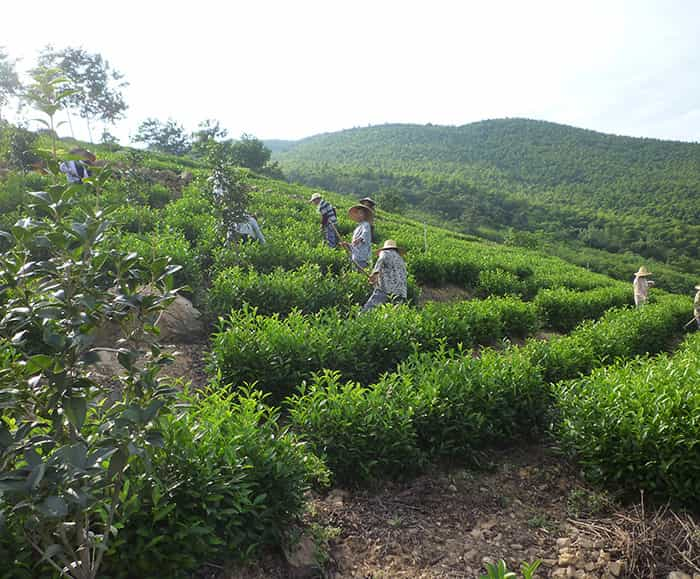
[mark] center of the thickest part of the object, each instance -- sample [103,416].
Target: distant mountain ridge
[608,191]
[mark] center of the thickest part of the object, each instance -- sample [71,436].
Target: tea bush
[362,433]
[562,309]
[306,289]
[636,426]
[229,481]
[165,244]
[457,405]
[462,404]
[620,333]
[279,353]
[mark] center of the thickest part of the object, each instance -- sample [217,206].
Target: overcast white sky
[289,69]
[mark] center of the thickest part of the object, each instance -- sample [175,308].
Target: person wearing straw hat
[369,202]
[329,220]
[372,204]
[76,169]
[360,247]
[388,276]
[641,286]
[696,306]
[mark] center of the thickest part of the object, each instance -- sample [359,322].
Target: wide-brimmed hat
[314,197]
[697,287]
[390,244]
[84,154]
[643,271]
[352,212]
[369,202]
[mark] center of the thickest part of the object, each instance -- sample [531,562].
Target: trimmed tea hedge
[637,425]
[449,405]
[278,354]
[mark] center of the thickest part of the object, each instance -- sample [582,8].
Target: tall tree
[98,86]
[250,152]
[168,137]
[9,81]
[208,132]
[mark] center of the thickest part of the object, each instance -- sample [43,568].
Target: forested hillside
[609,192]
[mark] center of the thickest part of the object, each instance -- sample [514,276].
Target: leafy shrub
[172,244]
[620,333]
[229,481]
[135,218]
[562,309]
[462,404]
[457,405]
[64,453]
[635,425]
[362,433]
[306,289]
[280,353]
[498,282]
[158,195]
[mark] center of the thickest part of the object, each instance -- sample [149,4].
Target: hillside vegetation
[135,474]
[604,191]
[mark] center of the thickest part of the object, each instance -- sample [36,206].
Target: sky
[288,69]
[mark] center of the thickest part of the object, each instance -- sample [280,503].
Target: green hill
[604,191]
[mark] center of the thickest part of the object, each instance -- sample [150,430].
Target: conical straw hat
[390,244]
[642,272]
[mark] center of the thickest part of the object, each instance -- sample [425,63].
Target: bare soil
[448,293]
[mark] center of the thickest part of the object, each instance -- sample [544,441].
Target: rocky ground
[526,504]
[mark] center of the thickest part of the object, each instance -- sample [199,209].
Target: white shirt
[70,168]
[250,227]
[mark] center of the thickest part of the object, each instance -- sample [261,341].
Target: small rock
[571,571]
[563,542]
[615,568]
[679,575]
[516,547]
[472,556]
[549,562]
[337,497]
[302,558]
[590,566]
[476,533]
[566,558]
[452,488]
[559,572]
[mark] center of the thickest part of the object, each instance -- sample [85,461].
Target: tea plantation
[144,476]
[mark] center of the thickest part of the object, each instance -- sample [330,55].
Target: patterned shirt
[392,273]
[641,288]
[327,212]
[361,246]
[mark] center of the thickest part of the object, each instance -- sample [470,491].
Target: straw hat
[390,244]
[642,272]
[697,287]
[314,197]
[355,209]
[84,154]
[368,202]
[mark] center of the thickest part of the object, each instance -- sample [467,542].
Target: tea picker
[360,247]
[641,286]
[328,219]
[696,308]
[388,277]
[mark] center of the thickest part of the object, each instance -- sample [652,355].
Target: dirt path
[528,505]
